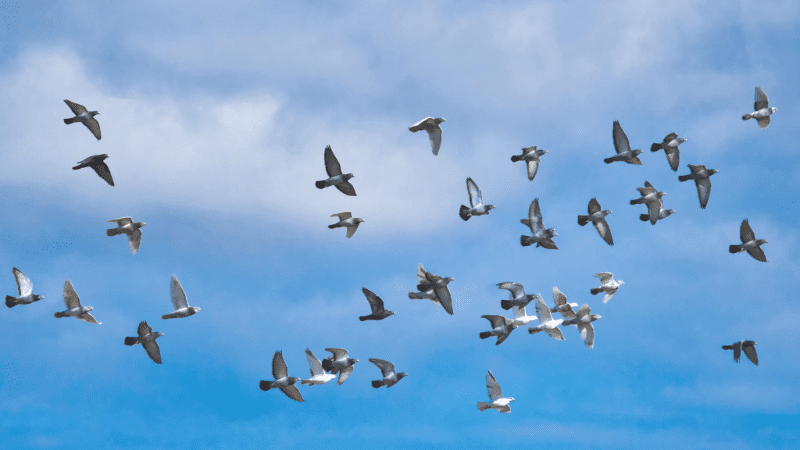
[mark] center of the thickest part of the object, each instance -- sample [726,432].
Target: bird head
[669,211]
[773,110]
[607,212]
[440,120]
[159,334]
[348,176]
[759,242]
[194,309]
[94,113]
[620,282]
[389,313]
[293,380]
[103,156]
[489,207]
[352,360]
[542,152]
[637,152]
[140,224]
[448,279]
[357,220]
[89,308]
[401,375]
[595,317]
[681,140]
[713,171]
[510,399]
[36,298]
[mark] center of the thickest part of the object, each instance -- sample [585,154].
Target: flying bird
[501,327]
[390,375]
[282,379]
[598,217]
[762,109]
[376,303]
[85,117]
[607,285]
[498,402]
[583,320]
[339,363]
[701,177]
[623,148]
[97,164]
[429,281]
[651,198]
[518,295]
[74,307]
[430,294]
[335,173]
[561,302]
[476,200]
[25,288]
[749,348]
[318,375]
[531,157]
[663,213]
[127,226]
[749,243]
[550,232]
[147,337]
[521,317]
[179,302]
[670,147]
[346,220]
[548,325]
[430,125]
[540,235]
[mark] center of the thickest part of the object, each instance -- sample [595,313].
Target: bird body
[340,363]
[476,200]
[346,219]
[501,327]
[607,285]
[598,217]
[749,348]
[74,307]
[318,375]
[536,224]
[128,227]
[179,301]
[518,296]
[25,289]
[662,213]
[498,402]
[430,125]
[335,175]
[376,303]
[762,111]
[701,177]
[147,337]
[749,243]
[282,379]
[623,148]
[85,117]
[429,281]
[97,163]
[531,157]
[670,147]
[390,375]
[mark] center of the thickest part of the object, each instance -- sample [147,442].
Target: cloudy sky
[215,119]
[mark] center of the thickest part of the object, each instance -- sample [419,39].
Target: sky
[215,118]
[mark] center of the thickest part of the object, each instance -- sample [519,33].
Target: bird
[390,375]
[476,200]
[498,402]
[376,303]
[340,363]
[663,213]
[749,243]
[531,157]
[430,294]
[318,375]
[429,281]
[337,179]
[521,317]
[97,164]
[179,302]
[430,125]
[670,147]
[25,288]
[598,217]
[749,348]
[346,220]
[652,198]
[623,148]
[607,285]
[147,337]
[282,379]
[548,325]
[501,327]
[561,302]
[518,295]
[540,235]
[762,109]
[83,116]
[583,320]
[550,232]
[74,307]
[701,177]
[127,226]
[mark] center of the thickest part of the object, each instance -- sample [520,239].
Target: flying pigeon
[583,320]
[623,148]
[318,375]
[598,217]
[376,303]
[652,198]
[501,327]
[74,307]
[179,302]
[430,125]
[749,348]
[346,220]
[701,177]
[282,379]
[476,200]
[97,164]
[339,362]
[518,295]
[607,285]
[428,281]
[762,110]
[548,325]
[335,173]
[663,213]
[498,402]
[531,157]
[521,317]
[670,147]
[85,117]
[147,337]
[540,235]
[25,288]
[126,225]
[550,232]
[749,243]
[390,375]
[561,302]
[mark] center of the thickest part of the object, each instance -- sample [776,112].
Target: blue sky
[215,119]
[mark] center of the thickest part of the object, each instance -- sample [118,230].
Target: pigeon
[521,317]
[607,285]
[670,147]
[531,157]
[518,295]
[598,218]
[85,117]
[339,362]
[390,375]
[550,232]
[701,177]
[335,173]
[179,302]
[147,337]
[97,164]
[428,281]
[346,220]
[318,375]
[476,200]
[749,243]
[540,235]
[282,379]
[663,213]
[652,198]
[762,110]
[74,307]
[376,303]
[583,320]
[749,348]
[548,325]
[498,402]
[501,327]
[623,148]
[430,125]
[126,225]
[25,288]
[561,302]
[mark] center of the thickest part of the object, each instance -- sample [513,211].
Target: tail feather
[583,220]
[533,330]
[464,213]
[596,291]
[78,167]
[516,158]
[415,295]
[609,160]
[130,341]
[377,383]
[70,120]
[59,315]
[732,249]
[727,347]
[486,334]
[10,301]
[684,177]
[363,318]
[320,184]
[112,232]
[747,117]
[483,406]
[336,225]
[637,201]
[526,240]
[644,217]
[265,385]
[655,147]
[506,304]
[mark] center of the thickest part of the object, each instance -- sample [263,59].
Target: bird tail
[486,334]
[363,318]
[609,160]
[607,297]
[732,249]
[464,213]
[113,232]
[415,295]
[70,120]
[483,406]
[79,166]
[61,314]
[644,217]
[265,385]
[516,158]
[130,341]
[747,117]
[320,184]
[336,225]
[377,383]
[596,291]
[506,304]
[583,220]
[10,301]
[637,201]
[655,147]
[327,365]
[532,330]
[684,177]
[526,240]
[727,347]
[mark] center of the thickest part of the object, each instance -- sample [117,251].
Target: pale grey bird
[376,303]
[282,379]
[439,287]
[531,157]
[339,363]
[548,325]
[561,302]
[476,201]
[501,327]
[498,402]
[762,109]
[337,179]
[607,285]
[74,307]
[390,375]
[518,295]
[430,125]
[583,320]
[536,224]
[97,163]
[127,226]
[147,337]
[749,243]
[652,198]
[598,217]
[83,116]
[663,213]
[346,220]
[670,147]
[701,177]
[749,348]
[521,317]
[25,288]
[623,148]
[179,302]
[318,375]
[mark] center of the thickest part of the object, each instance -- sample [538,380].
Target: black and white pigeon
[429,281]
[97,164]
[346,220]
[339,363]
[663,213]
[518,295]
[583,320]
[670,147]
[623,148]
[318,374]
[127,226]
[749,348]
[147,337]
[501,327]
[376,303]
[335,173]
[536,224]
[282,379]
[598,217]
[430,125]
[749,243]
[651,198]
[762,110]
[561,302]
[498,402]
[607,285]
[531,157]
[179,301]
[548,325]
[390,375]
[701,177]
[25,288]
[476,201]
[83,116]
[74,307]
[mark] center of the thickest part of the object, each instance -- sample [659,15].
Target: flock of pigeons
[434,287]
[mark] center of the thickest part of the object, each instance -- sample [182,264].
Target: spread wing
[153,350]
[422,275]
[352,230]
[533,167]
[94,126]
[703,191]
[24,284]
[279,369]
[435,136]
[338,353]
[621,144]
[674,157]
[746,233]
[542,311]
[344,374]
[331,163]
[293,393]
[604,230]
[177,293]
[103,171]
[375,302]
[314,363]
[605,277]
[475,197]
[443,294]
[495,391]
[80,109]
[517,290]
[535,217]
[587,334]
[418,126]
[750,351]
[757,253]
[86,317]
[594,206]
[497,321]
[135,240]
[342,215]
[144,329]
[386,367]
[121,222]
[71,298]
[670,137]
[346,188]
[761,99]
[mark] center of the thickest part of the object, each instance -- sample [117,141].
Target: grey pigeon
[583,320]
[652,198]
[540,235]
[97,164]
[430,125]
[670,147]
[83,116]
[376,303]
[531,157]
[663,213]
[607,285]
[74,307]
[749,243]
[282,379]
[346,220]
[561,302]
[390,375]
[476,201]
[335,173]
[340,363]
[179,302]
[501,327]
[318,374]
[623,148]
[147,337]
[701,177]
[550,232]
[439,287]
[498,402]
[548,325]
[762,109]
[518,295]
[749,348]
[25,288]
[598,217]
[127,226]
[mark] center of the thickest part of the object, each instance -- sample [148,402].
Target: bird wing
[135,240]
[144,329]
[621,144]
[555,333]
[435,136]
[757,253]
[352,230]
[594,206]
[422,275]
[293,393]
[584,310]
[418,126]
[535,217]
[346,188]
[375,302]
[344,374]
[177,294]
[475,197]
[86,317]
[71,298]
[697,168]
[763,122]
[94,126]
[331,163]
[605,277]
[443,294]
[559,296]
[386,367]
[338,353]
[670,137]
[80,109]
[279,369]
[533,167]
[24,284]
[737,351]
[314,363]
[542,311]
[703,190]
[761,99]
[153,350]
[519,311]
[750,351]
[342,215]
[604,230]
[673,157]
[517,290]
[497,321]
[654,210]
[746,233]
[587,334]
[103,171]
[495,391]
[122,221]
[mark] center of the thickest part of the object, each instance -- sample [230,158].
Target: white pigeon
[74,307]
[430,125]
[126,225]
[607,285]
[179,302]
[763,111]
[318,375]
[498,402]
[347,220]
[520,317]
[548,325]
